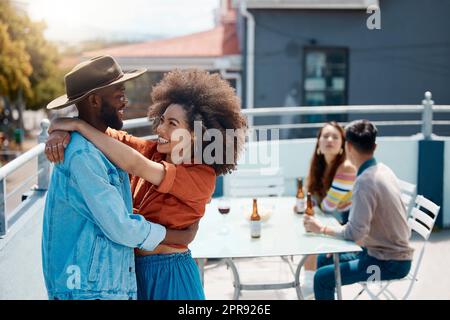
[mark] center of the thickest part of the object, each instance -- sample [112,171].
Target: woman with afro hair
[173,178]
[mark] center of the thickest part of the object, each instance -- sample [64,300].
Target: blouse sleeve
[193,185]
[137,144]
[342,184]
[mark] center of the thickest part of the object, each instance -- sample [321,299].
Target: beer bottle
[255,221]
[309,207]
[300,203]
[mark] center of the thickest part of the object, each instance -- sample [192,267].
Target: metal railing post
[3,221]
[43,163]
[427,116]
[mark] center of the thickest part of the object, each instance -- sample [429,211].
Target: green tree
[45,80]
[15,66]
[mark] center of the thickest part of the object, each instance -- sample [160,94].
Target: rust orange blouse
[180,199]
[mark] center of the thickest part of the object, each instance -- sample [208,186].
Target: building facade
[312,53]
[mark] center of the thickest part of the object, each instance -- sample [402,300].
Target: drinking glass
[223,206]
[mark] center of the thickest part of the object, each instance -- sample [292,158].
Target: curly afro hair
[207,98]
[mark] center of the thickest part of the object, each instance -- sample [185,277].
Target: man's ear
[95,101]
[349,146]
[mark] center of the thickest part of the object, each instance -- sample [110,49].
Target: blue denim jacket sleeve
[107,206]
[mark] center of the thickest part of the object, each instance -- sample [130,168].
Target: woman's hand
[65,124]
[59,137]
[311,224]
[56,143]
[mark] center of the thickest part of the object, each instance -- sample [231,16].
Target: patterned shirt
[339,196]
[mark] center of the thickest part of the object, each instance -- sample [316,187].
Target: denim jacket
[89,230]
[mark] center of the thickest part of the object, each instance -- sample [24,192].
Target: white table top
[283,234]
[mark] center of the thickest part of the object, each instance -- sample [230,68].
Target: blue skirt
[168,277]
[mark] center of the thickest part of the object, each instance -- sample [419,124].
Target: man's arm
[107,207]
[184,237]
[360,218]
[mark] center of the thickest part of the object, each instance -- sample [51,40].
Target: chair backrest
[423,216]
[408,195]
[255,183]
[421,220]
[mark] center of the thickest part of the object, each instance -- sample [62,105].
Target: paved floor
[21,274]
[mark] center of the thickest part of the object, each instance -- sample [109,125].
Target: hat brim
[63,101]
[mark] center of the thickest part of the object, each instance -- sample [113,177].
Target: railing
[42,174]
[427,108]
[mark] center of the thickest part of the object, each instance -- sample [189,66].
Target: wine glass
[223,206]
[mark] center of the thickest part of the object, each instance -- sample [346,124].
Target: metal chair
[421,220]
[255,182]
[408,195]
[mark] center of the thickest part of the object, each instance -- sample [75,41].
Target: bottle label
[255,227]
[301,205]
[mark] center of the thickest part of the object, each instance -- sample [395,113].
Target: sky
[72,21]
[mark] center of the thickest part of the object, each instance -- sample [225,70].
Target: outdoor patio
[294,65]
[282,160]
[17,260]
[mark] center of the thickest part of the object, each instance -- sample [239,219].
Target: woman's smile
[161,140]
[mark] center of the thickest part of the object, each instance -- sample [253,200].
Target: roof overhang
[163,64]
[311,4]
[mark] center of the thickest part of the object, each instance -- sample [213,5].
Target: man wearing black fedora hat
[89,229]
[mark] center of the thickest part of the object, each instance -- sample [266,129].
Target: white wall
[294,156]
[401,154]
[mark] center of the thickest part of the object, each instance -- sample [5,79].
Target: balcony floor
[23,252]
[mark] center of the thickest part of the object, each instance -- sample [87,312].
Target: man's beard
[110,116]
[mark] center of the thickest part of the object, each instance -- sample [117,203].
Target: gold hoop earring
[318,152]
[341,151]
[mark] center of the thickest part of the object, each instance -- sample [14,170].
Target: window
[325,78]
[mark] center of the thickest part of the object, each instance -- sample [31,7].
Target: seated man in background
[377,220]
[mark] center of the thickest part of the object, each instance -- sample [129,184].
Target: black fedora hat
[90,76]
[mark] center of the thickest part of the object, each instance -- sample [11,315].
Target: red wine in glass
[224,210]
[224,206]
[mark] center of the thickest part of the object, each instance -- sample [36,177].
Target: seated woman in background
[331,174]
[330,182]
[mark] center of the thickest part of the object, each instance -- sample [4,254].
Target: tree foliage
[28,62]
[15,66]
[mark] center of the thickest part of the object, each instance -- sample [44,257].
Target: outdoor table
[282,235]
